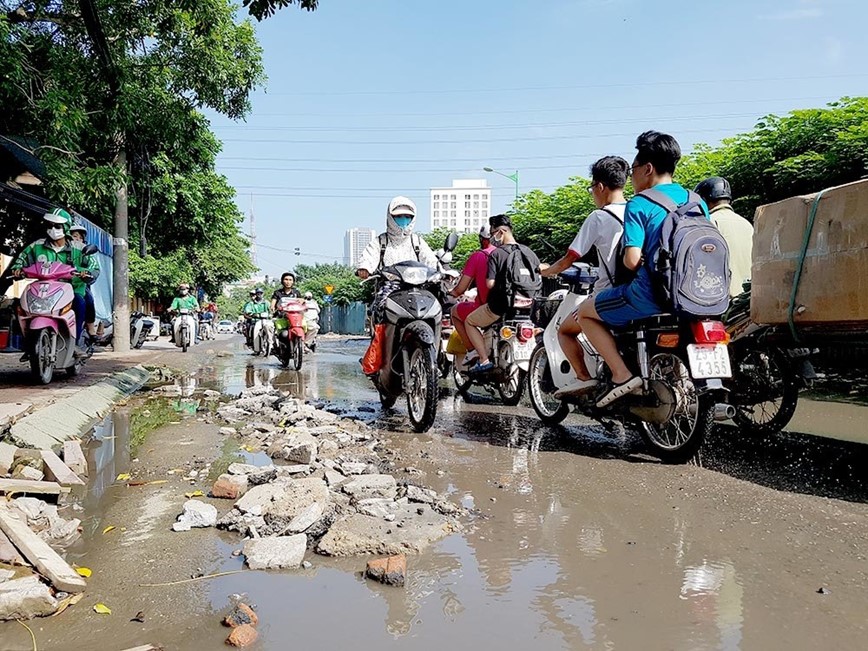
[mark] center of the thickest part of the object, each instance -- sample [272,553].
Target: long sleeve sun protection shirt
[43,251]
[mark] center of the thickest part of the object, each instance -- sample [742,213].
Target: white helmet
[308,295]
[485,232]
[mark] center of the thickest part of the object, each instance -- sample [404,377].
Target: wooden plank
[32,487]
[146,647]
[56,470]
[34,549]
[74,458]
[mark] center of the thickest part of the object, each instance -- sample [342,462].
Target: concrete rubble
[328,491]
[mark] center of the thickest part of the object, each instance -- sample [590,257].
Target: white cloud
[834,50]
[806,11]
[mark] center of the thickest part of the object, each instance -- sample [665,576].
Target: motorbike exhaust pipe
[723,412]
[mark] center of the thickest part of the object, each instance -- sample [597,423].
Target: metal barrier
[344,319]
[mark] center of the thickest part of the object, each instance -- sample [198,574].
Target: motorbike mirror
[90,249]
[451,242]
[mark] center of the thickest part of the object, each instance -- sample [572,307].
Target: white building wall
[355,241]
[463,207]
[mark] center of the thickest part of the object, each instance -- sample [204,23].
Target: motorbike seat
[663,320]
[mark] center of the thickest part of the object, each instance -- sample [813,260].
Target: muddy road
[578,541]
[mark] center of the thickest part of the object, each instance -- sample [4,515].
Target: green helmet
[60,217]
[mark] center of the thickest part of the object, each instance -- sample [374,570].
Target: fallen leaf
[194,494]
[102,609]
[71,600]
[148,483]
[84,571]
[123,476]
[107,529]
[140,617]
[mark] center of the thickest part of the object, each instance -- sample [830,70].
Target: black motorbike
[769,369]
[412,316]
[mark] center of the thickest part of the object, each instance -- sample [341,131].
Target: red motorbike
[290,332]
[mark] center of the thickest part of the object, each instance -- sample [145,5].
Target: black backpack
[384,242]
[521,276]
[690,271]
[623,275]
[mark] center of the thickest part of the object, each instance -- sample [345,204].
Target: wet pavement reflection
[578,540]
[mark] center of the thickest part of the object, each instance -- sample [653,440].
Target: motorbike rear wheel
[422,386]
[766,393]
[679,439]
[40,357]
[512,387]
[540,388]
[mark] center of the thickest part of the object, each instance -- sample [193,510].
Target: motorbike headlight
[415,275]
[43,304]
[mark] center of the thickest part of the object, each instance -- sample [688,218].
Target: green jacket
[188,302]
[42,251]
[256,307]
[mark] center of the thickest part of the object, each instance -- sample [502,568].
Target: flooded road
[578,540]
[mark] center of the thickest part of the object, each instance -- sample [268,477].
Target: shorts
[482,317]
[616,309]
[464,310]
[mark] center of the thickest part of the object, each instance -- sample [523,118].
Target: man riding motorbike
[184,301]
[57,247]
[311,319]
[252,311]
[397,244]
[475,273]
[78,233]
[246,311]
[287,289]
[601,232]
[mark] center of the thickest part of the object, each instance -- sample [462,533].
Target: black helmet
[714,188]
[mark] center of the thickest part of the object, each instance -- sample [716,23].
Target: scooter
[140,329]
[47,320]
[206,329]
[184,326]
[682,362]
[445,359]
[263,334]
[291,339]
[510,342]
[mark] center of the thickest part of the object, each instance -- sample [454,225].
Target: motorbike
[510,343]
[683,364]
[140,329]
[206,329]
[47,320]
[291,339]
[769,371]
[311,325]
[413,318]
[263,334]
[445,359]
[184,326]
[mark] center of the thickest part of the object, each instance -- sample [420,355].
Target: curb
[72,416]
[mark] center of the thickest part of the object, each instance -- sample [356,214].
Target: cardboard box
[834,284]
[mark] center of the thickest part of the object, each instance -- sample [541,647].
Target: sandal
[619,391]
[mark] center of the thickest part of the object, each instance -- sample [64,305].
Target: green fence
[344,319]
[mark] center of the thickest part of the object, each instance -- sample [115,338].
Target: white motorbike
[263,334]
[184,327]
[681,361]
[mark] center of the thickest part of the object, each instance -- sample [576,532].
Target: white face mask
[55,234]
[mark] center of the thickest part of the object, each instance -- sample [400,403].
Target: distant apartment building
[355,242]
[463,208]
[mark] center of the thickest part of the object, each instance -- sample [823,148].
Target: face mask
[497,239]
[184,292]
[55,233]
[403,221]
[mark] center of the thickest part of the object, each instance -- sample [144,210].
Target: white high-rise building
[463,208]
[355,242]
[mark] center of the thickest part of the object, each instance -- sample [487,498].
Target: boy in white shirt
[602,231]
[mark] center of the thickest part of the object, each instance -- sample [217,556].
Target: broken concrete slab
[7,458]
[196,514]
[259,498]
[277,552]
[25,598]
[242,468]
[334,478]
[421,495]
[368,486]
[377,507]
[306,518]
[297,496]
[364,534]
[28,473]
[74,458]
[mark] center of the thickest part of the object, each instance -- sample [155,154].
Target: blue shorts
[617,306]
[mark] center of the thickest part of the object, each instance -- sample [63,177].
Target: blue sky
[367,100]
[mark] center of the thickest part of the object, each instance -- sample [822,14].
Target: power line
[398,143]
[401,160]
[247,188]
[378,170]
[634,84]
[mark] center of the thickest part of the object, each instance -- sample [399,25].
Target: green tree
[347,287]
[467,244]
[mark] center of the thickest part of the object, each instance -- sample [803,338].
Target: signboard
[329,289]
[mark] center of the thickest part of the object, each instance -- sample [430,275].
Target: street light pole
[511,177]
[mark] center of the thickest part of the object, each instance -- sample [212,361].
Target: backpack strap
[661,199]
[384,241]
[612,212]
[417,245]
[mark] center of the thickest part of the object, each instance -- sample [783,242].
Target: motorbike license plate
[709,361]
[523,350]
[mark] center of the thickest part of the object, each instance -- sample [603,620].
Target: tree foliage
[262,9]
[347,287]
[173,59]
[467,244]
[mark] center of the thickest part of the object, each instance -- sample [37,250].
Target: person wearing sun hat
[78,234]
[58,247]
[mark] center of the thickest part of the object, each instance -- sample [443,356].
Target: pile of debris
[34,579]
[328,490]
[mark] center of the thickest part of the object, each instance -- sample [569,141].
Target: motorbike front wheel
[422,387]
[297,353]
[540,388]
[766,391]
[679,438]
[185,339]
[41,365]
